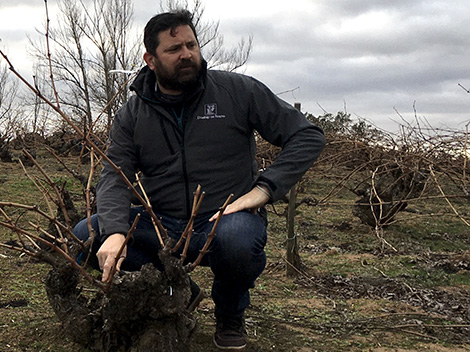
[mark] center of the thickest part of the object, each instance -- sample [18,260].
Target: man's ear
[149,60]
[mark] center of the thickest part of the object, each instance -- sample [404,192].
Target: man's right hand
[108,252]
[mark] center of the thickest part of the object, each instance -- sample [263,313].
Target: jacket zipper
[180,122]
[186,181]
[188,192]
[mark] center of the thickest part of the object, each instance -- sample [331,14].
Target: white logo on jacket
[210,112]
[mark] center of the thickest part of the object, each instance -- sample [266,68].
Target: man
[189,126]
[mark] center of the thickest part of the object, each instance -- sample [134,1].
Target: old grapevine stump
[142,311]
[393,186]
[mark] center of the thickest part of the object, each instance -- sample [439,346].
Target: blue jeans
[236,255]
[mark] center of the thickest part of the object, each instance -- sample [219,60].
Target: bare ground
[352,293]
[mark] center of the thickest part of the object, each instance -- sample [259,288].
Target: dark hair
[163,22]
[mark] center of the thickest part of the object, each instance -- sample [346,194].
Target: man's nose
[185,53]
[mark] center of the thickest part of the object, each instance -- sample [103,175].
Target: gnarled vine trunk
[143,311]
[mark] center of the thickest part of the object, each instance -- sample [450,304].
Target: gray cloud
[375,56]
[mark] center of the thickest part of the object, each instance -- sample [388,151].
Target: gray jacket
[212,144]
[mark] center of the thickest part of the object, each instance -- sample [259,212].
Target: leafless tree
[8,108]
[9,113]
[109,27]
[88,42]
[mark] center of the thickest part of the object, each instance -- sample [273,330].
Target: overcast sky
[374,59]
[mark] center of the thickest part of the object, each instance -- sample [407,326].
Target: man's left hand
[252,200]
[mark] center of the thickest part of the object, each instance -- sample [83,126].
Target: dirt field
[355,292]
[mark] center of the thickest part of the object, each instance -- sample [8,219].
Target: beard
[181,78]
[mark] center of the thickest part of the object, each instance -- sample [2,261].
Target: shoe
[197,295]
[230,334]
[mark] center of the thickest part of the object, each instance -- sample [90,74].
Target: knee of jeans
[242,232]
[240,248]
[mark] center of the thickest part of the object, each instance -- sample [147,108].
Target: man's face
[177,61]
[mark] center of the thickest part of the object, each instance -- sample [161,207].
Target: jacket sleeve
[113,195]
[284,126]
